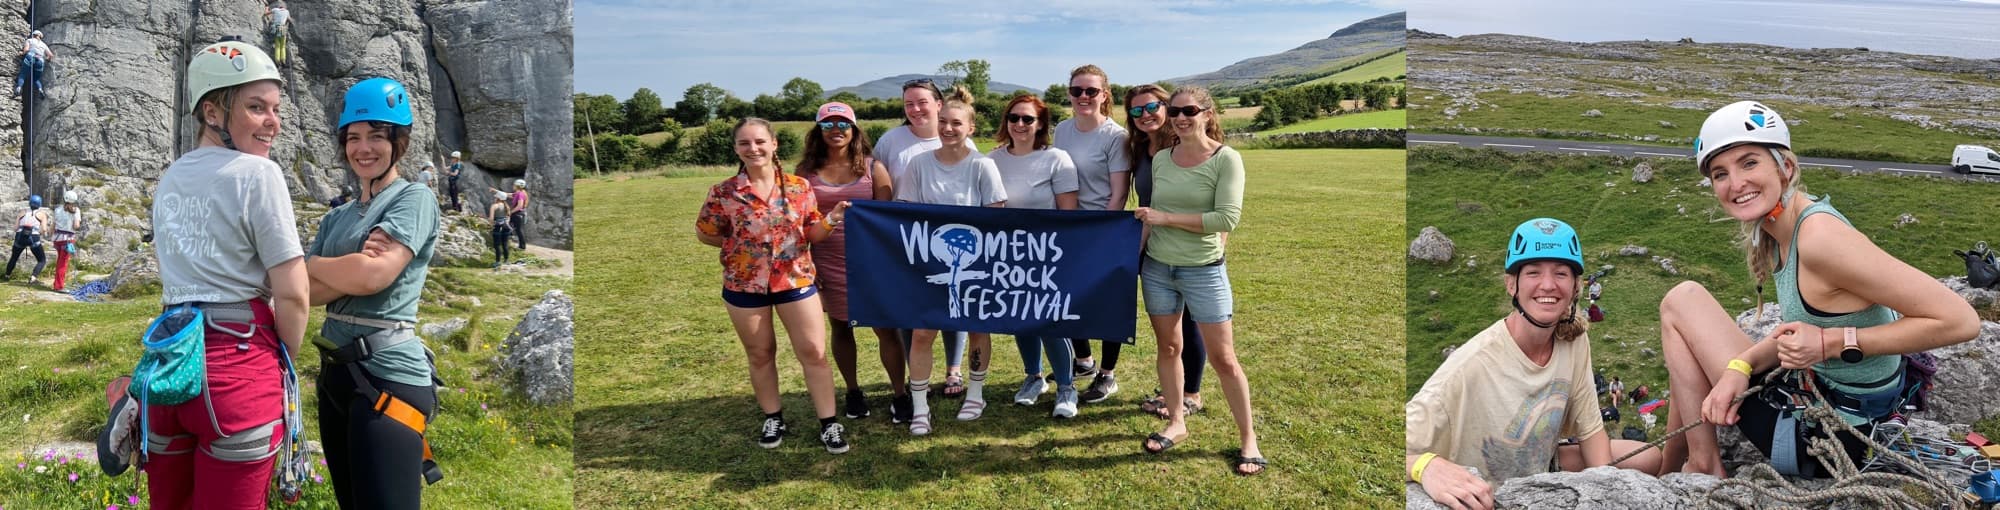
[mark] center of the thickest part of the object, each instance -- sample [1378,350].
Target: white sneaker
[1066,402]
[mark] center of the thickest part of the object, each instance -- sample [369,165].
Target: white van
[1975,160]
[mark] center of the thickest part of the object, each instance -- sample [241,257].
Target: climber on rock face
[276,15]
[34,56]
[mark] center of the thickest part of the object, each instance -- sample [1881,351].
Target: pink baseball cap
[835,109]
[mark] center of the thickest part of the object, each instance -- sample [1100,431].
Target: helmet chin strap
[1787,191]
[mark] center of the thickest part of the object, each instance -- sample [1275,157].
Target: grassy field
[496,449]
[1390,67]
[666,416]
[1477,197]
[1858,135]
[1383,119]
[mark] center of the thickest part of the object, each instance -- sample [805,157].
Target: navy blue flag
[1030,272]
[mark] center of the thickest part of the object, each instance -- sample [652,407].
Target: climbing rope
[1761,482]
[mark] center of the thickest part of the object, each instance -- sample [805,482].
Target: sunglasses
[1021,119]
[919,82]
[1084,91]
[840,125]
[1185,111]
[1144,109]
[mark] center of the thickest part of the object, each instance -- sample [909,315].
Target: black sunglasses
[919,82]
[1144,109]
[1084,91]
[1185,111]
[1021,119]
[840,125]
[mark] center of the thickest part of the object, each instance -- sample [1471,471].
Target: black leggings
[375,461]
[24,241]
[519,222]
[500,233]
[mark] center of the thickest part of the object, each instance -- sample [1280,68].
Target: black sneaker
[1080,369]
[773,433]
[1101,388]
[900,408]
[857,405]
[833,435]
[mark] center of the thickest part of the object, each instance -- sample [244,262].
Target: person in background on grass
[764,220]
[838,166]
[228,244]
[451,174]
[1872,307]
[68,221]
[954,174]
[1197,195]
[1037,176]
[1502,401]
[918,135]
[1146,116]
[1103,170]
[497,213]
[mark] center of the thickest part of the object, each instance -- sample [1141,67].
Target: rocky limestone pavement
[540,351]
[505,62]
[1595,488]
[1431,245]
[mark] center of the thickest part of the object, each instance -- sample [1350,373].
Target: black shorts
[752,300]
[1758,421]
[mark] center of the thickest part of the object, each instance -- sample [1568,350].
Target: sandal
[1164,442]
[1155,405]
[954,386]
[920,424]
[1246,461]
[971,410]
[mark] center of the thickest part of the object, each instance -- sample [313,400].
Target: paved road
[1577,147]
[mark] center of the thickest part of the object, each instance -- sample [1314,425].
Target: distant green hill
[1354,44]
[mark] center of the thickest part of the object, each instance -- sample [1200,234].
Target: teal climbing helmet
[377,100]
[1544,239]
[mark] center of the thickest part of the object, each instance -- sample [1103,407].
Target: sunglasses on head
[833,124]
[1084,91]
[1185,111]
[1021,119]
[1144,109]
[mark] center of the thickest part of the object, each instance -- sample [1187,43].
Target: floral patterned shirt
[764,244]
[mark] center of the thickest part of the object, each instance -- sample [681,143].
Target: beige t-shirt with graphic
[1491,408]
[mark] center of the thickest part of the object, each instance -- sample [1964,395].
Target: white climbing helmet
[428,164]
[1739,123]
[454,154]
[520,183]
[227,64]
[69,197]
[499,195]
[36,34]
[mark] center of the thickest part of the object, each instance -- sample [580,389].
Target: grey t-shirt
[898,146]
[974,182]
[1034,180]
[411,218]
[1097,155]
[221,220]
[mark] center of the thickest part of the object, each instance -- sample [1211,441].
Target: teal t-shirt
[411,218]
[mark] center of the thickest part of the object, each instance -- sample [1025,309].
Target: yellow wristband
[1740,366]
[1417,470]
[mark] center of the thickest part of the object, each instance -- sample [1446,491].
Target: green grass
[1389,66]
[496,449]
[1382,119]
[667,414]
[1862,134]
[1476,197]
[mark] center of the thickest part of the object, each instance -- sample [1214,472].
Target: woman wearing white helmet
[68,220]
[369,261]
[497,213]
[227,244]
[451,179]
[1850,309]
[518,212]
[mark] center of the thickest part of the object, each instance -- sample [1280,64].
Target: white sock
[975,388]
[919,393]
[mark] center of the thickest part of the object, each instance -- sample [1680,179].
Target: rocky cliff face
[487,78]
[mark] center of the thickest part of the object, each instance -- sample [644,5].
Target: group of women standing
[782,246]
[227,244]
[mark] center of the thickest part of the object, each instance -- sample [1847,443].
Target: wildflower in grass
[133,500]
[72,477]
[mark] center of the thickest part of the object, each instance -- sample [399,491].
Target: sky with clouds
[753,48]
[1959,28]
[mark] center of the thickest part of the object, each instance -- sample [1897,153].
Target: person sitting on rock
[35,56]
[1504,398]
[1871,307]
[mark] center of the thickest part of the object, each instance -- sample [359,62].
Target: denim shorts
[1204,290]
[752,300]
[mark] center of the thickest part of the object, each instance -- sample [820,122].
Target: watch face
[1850,355]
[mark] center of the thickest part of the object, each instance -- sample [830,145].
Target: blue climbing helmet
[1544,239]
[34,201]
[378,100]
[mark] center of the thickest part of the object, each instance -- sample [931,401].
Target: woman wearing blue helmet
[28,237]
[1500,402]
[1871,307]
[368,262]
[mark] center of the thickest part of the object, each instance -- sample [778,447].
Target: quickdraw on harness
[295,462]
